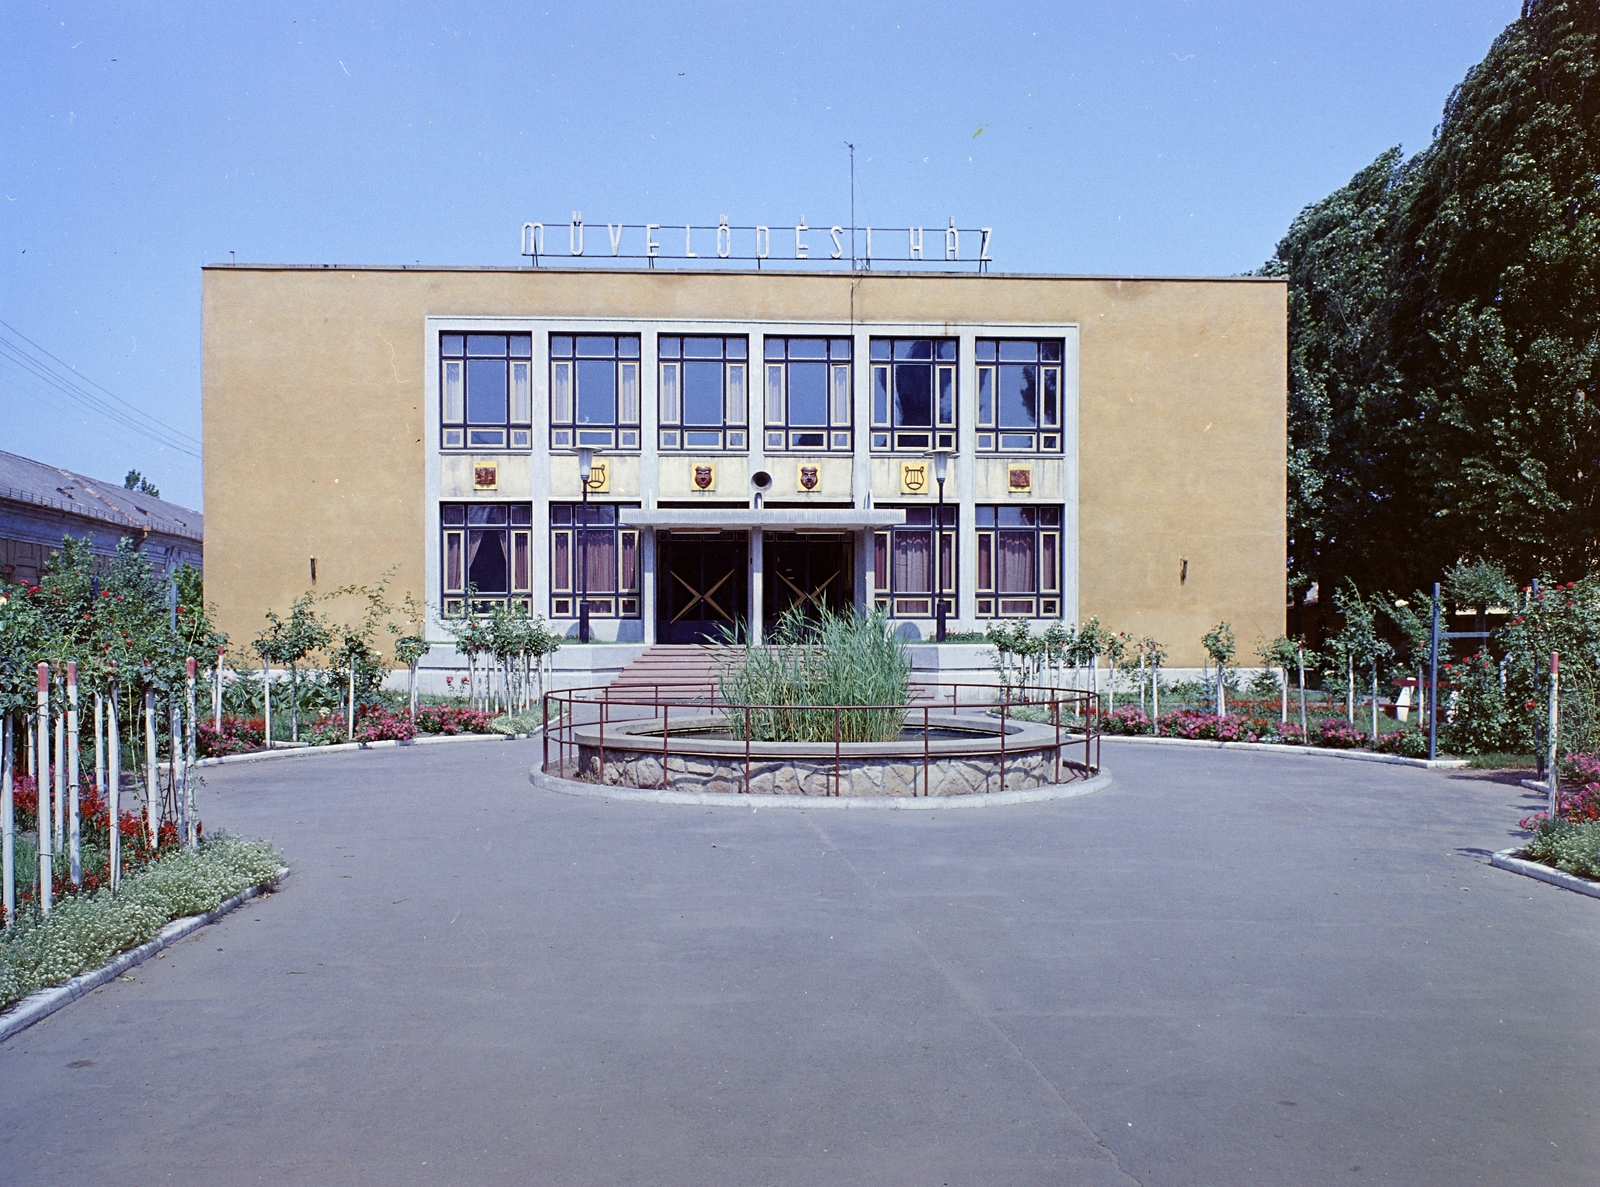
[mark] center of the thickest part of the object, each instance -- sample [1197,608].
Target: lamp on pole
[585,469]
[941,470]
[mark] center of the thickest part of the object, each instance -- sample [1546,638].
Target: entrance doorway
[809,570]
[702,587]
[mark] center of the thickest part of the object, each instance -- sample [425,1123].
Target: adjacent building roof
[23,480]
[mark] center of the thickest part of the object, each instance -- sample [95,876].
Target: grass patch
[833,659]
[85,931]
[530,722]
[1501,762]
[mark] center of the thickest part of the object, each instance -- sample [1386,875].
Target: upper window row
[804,394]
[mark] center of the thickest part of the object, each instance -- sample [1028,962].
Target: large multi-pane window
[905,579]
[1019,562]
[486,557]
[913,393]
[808,394]
[485,391]
[1019,395]
[612,575]
[704,392]
[594,391]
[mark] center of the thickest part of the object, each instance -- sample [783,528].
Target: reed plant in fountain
[812,664]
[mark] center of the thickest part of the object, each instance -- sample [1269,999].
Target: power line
[113,407]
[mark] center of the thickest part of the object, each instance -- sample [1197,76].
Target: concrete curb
[709,799]
[1507,859]
[1437,764]
[1535,785]
[38,1006]
[340,747]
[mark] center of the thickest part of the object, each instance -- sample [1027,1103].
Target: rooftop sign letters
[652,241]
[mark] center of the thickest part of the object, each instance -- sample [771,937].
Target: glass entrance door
[808,570]
[703,586]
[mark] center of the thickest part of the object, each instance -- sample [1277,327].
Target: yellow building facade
[1111,448]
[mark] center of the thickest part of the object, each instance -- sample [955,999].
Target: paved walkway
[1207,975]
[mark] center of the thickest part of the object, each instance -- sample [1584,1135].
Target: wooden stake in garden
[152,769]
[1555,729]
[99,743]
[175,770]
[1300,661]
[191,827]
[8,823]
[61,767]
[46,857]
[74,831]
[216,694]
[352,721]
[266,697]
[113,787]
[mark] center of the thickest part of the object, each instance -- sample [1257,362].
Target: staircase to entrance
[675,671]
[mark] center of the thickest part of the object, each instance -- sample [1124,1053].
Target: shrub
[450,719]
[1128,720]
[1288,733]
[1336,734]
[1227,728]
[237,735]
[1409,742]
[1573,846]
[374,723]
[1480,720]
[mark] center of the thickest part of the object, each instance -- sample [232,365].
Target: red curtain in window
[602,549]
[630,562]
[913,562]
[1017,563]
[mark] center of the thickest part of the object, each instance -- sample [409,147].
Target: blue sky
[139,142]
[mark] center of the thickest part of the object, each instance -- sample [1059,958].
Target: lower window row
[486,550]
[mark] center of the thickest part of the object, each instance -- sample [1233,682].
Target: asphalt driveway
[1226,969]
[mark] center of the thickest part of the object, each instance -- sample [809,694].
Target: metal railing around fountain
[1072,713]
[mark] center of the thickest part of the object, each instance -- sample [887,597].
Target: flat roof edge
[786,273]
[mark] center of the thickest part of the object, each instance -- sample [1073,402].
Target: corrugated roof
[24,480]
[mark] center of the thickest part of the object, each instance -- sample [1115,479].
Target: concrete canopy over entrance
[672,621]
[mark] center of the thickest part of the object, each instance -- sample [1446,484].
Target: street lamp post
[941,468]
[585,469]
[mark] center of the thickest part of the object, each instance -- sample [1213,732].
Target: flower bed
[447,719]
[94,844]
[83,932]
[1332,733]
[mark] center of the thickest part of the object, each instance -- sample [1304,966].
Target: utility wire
[112,407]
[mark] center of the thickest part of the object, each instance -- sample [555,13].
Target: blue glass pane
[597,348]
[839,348]
[702,348]
[521,346]
[628,346]
[560,514]
[702,440]
[985,350]
[668,348]
[774,348]
[451,345]
[1019,352]
[1017,517]
[985,517]
[1019,397]
[702,393]
[919,348]
[808,348]
[486,391]
[737,348]
[1050,517]
[452,513]
[597,392]
[880,348]
[1050,352]
[808,393]
[560,346]
[913,396]
[487,345]
[947,351]
[486,515]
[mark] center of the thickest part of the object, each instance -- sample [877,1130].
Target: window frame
[457,431]
[1045,600]
[455,538]
[732,433]
[623,599]
[1046,436]
[944,394]
[780,433]
[621,434]
[946,573]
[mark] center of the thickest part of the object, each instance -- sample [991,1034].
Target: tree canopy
[1444,328]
